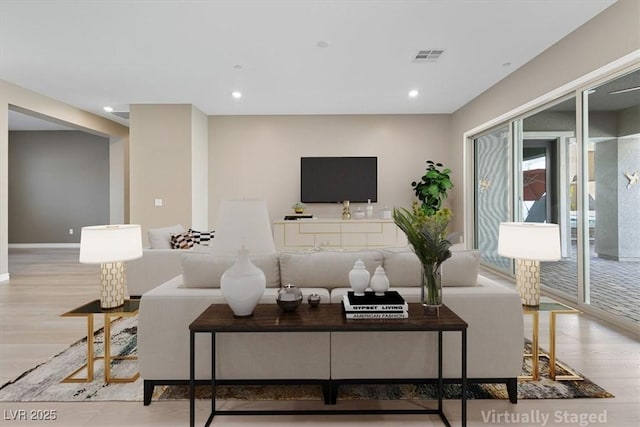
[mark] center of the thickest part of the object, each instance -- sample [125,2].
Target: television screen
[336,179]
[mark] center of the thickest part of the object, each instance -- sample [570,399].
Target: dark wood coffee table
[218,318]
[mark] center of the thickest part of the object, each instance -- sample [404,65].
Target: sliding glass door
[492,156]
[549,168]
[576,163]
[612,205]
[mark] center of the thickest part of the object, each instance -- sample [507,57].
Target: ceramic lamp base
[112,290]
[243,285]
[528,281]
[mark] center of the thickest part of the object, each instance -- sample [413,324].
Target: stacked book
[391,305]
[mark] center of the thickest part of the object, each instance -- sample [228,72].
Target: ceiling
[286,57]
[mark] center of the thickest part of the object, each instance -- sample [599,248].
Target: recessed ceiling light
[506,64]
[413,93]
[236,94]
[322,44]
[108,109]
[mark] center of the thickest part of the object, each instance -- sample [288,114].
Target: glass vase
[431,289]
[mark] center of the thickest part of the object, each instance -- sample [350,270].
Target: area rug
[42,383]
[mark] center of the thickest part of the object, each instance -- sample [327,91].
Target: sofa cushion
[402,267]
[326,269]
[201,237]
[160,238]
[204,270]
[461,269]
[182,241]
[404,270]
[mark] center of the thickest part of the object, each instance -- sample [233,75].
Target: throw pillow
[181,241]
[461,269]
[201,237]
[160,238]
[204,270]
[325,269]
[402,267]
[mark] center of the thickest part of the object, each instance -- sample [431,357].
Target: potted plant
[427,236]
[299,207]
[432,189]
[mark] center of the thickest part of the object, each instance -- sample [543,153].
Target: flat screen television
[336,179]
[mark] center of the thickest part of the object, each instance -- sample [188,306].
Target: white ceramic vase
[243,285]
[359,278]
[379,282]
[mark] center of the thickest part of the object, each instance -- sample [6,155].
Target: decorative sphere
[289,297]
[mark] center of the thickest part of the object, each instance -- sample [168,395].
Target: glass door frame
[578,89]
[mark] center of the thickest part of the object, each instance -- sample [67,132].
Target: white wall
[160,167]
[259,156]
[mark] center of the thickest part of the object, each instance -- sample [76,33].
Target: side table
[553,308]
[129,309]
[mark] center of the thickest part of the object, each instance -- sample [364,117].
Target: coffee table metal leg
[192,382]
[440,379]
[464,378]
[213,375]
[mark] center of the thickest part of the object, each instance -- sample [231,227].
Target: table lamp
[243,230]
[110,246]
[529,243]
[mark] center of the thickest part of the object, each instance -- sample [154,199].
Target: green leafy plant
[299,207]
[426,235]
[433,187]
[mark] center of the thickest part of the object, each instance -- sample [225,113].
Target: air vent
[428,55]
[121,114]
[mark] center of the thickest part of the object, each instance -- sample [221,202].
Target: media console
[337,234]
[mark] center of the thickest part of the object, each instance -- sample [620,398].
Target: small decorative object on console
[299,207]
[359,278]
[313,300]
[346,212]
[369,209]
[379,282]
[389,305]
[289,297]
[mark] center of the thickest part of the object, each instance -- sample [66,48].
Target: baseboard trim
[42,245]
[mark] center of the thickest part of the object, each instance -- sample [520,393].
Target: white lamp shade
[110,243]
[529,240]
[243,223]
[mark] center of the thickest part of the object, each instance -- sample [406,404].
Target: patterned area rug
[42,383]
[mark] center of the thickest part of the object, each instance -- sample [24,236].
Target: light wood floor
[47,282]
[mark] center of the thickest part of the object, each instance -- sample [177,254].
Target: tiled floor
[615,286]
[47,283]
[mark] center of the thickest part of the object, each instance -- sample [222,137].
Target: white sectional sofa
[493,312]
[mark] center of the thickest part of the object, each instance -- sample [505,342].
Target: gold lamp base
[112,290]
[528,281]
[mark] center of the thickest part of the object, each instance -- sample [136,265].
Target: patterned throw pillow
[182,241]
[201,237]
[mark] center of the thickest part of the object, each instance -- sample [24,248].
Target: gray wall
[58,180]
